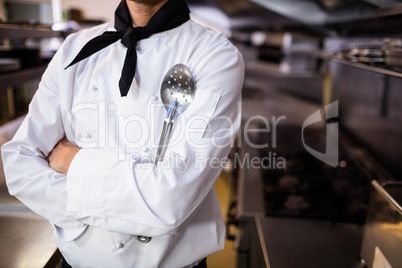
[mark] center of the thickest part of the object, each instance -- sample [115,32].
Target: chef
[84,156]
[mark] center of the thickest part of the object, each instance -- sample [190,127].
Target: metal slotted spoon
[177,93]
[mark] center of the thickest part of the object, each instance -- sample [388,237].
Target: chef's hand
[61,156]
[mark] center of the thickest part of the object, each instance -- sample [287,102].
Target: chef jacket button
[85,136]
[94,88]
[143,239]
[120,245]
[155,98]
[135,157]
[146,149]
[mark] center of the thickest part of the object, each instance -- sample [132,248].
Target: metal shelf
[367,67]
[363,66]
[18,77]
[14,31]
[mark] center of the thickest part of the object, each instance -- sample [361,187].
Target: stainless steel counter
[301,243]
[26,241]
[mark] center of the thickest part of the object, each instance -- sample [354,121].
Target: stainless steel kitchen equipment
[9,64]
[364,54]
[306,212]
[307,215]
[177,93]
[321,12]
[393,57]
[280,52]
[307,191]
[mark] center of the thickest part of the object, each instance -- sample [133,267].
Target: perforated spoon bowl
[177,93]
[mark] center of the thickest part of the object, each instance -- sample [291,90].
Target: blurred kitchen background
[322,118]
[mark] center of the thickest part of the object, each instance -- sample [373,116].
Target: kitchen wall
[93,9]
[42,9]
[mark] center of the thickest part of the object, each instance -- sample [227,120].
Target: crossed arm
[62,155]
[156,195]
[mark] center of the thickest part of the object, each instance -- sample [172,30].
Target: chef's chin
[147,2]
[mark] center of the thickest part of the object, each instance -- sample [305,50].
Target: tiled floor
[227,257]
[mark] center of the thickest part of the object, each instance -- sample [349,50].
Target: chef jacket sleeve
[28,175]
[133,196]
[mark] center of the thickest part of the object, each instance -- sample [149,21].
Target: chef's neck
[142,11]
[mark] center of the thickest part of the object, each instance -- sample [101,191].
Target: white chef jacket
[113,192]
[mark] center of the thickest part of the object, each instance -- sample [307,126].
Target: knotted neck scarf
[171,15]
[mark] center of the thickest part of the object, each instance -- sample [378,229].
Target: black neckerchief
[171,15]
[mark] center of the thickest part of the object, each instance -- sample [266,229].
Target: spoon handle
[164,140]
[166,134]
